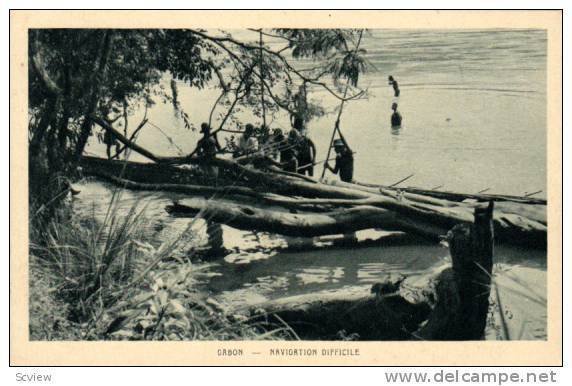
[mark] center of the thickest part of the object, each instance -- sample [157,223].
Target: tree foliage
[75,74]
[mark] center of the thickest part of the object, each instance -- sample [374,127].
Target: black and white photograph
[288,184]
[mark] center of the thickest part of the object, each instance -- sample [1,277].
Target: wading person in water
[207,147]
[395,117]
[110,140]
[393,82]
[344,161]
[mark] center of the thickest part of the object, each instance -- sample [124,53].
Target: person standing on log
[395,117]
[289,161]
[289,152]
[110,140]
[207,148]
[305,148]
[247,144]
[307,155]
[393,82]
[276,145]
[344,160]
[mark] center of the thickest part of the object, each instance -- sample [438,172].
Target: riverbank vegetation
[92,280]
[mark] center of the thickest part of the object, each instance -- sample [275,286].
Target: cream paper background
[24,352]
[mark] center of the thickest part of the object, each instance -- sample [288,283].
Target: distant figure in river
[395,117]
[247,143]
[344,161]
[393,82]
[110,140]
[207,147]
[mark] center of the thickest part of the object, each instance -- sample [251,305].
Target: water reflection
[396,130]
[292,273]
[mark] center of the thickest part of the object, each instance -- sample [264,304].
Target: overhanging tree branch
[219,41]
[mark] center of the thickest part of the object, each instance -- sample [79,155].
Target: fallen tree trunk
[515,223]
[347,314]
[509,226]
[454,196]
[341,221]
[455,309]
[194,190]
[479,197]
[426,222]
[137,171]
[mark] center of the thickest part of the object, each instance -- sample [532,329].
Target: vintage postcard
[286,188]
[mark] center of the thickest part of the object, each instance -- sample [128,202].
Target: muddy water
[261,266]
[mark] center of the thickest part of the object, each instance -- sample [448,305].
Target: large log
[348,314]
[355,186]
[190,189]
[455,309]
[453,196]
[515,223]
[155,173]
[250,217]
[362,214]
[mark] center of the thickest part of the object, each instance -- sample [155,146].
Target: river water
[474,108]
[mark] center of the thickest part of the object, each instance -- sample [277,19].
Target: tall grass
[104,279]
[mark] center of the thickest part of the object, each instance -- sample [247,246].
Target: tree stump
[462,292]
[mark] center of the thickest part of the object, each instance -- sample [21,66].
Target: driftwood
[455,308]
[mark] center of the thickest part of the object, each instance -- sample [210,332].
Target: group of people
[294,152]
